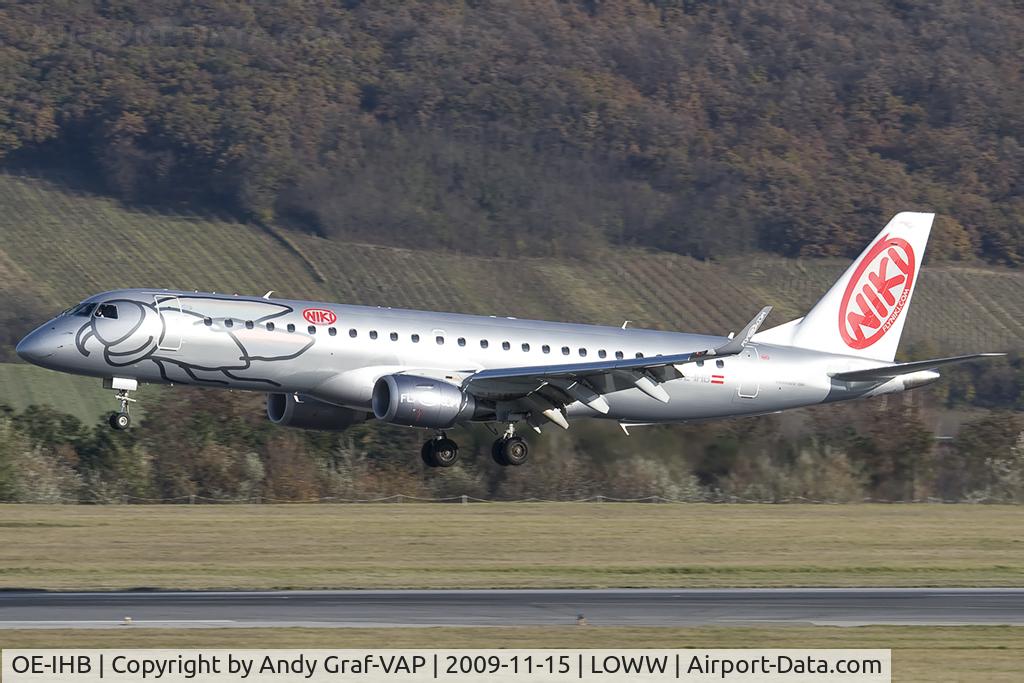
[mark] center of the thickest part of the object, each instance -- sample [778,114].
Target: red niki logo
[877,293]
[320,316]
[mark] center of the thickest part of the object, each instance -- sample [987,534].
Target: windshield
[81,309]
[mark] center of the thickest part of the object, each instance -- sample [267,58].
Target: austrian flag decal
[718,379]
[877,293]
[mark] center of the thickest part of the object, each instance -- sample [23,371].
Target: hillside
[537,127]
[60,246]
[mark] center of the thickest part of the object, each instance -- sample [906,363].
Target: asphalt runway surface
[614,607]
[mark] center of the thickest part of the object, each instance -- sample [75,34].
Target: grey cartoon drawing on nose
[234,339]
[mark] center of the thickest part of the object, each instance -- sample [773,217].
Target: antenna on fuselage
[626,323]
[267,295]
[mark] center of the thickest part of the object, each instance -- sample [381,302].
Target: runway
[418,608]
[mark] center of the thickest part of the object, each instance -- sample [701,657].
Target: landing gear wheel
[510,450]
[119,421]
[496,452]
[515,451]
[439,452]
[446,452]
[427,453]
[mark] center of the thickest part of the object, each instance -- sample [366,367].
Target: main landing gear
[510,449]
[439,451]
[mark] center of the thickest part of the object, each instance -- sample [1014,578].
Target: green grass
[509,545]
[920,653]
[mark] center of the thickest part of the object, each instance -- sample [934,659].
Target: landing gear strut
[510,449]
[439,451]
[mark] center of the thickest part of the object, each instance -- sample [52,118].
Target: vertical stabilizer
[864,312]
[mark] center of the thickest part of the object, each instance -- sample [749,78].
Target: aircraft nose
[36,347]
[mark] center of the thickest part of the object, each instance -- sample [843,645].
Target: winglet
[737,343]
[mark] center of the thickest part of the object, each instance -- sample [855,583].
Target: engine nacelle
[420,402]
[306,412]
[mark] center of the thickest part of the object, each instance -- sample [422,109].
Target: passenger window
[291,327]
[462,341]
[546,348]
[207,321]
[440,340]
[565,350]
[620,355]
[228,322]
[700,364]
[506,345]
[526,347]
[249,324]
[415,339]
[352,333]
[719,363]
[394,336]
[333,331]
[602,354]
[583,352]
[373,334]
[270,327]
[639,355]
[107,311]
[483,344]
[311,329]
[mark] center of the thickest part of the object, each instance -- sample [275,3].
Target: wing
[890,371]
[547,389]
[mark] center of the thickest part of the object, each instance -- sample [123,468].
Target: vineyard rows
[62,245]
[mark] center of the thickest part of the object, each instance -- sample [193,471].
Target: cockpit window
[81,309]
[106,311]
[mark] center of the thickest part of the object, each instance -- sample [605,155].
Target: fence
[399,498]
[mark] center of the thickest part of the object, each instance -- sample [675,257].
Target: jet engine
[306,412]
[421,402]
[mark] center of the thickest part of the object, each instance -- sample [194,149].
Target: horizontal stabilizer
[890,371]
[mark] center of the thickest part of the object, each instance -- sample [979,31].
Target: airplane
[329,366]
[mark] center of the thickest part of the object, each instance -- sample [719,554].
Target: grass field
[920,653]
[509,545]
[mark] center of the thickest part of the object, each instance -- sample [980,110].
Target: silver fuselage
[337,352]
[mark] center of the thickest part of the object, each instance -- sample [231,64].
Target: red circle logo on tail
[320,316]
[877,293]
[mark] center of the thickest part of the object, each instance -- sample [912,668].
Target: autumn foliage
[536,126]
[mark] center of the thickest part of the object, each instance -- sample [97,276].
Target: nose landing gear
[121,420]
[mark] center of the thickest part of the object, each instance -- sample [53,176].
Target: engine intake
[421,402]
[306,412]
